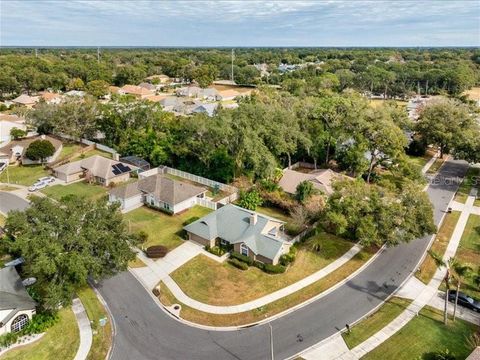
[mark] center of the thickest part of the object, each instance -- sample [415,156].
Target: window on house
[166,206]
[223,242]
[244,249]
[19,322]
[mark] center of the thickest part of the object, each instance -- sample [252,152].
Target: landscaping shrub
[269,185]
[274,269]
[287,259]
[8,339]
[245,259]
[238,264]
[166,211]
[215,250]
[250,200]
[156,251]
[259,265]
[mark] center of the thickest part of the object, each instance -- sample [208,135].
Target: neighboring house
[16,306]
[137,91]
[205,108]
[77,93]
[25,100]
[210,94]
[252,234]
[15,150]
[136,161]
[321,179]
[190,91]
[51,97]
[147,86]
[100,169]
[158,191]
[6,125]
[170,103]
[157,98]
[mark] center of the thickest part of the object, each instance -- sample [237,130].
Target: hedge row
[246,261]
[238,264]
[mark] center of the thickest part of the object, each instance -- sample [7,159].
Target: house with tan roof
[137,91]
[26,100]
[15,150]
[163,79]
[98,169]
[158,191]
[51,97]
[321,179]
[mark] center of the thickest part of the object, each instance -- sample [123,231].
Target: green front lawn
[89,191]
[69,149]
[468,252]
[274,213]
[424,334]
[375,322]
[61,341]
[471,178]
[222,284]
[420,161]
[436,166]
[23,175]
[162,229]
[102,335]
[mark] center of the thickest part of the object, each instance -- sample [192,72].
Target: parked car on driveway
[464,300]
[37,186]
[47,179]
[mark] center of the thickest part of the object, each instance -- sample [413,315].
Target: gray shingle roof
[126,191]
[13,295]
[232,223]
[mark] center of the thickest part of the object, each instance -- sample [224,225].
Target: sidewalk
[159,270]
[85,330]
[422,295]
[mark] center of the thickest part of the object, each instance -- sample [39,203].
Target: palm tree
[460,271]
[440,263]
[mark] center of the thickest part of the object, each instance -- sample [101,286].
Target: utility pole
[36,53]
[98,54]
[233,55]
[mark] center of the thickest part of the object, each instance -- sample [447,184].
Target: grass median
[375,322]
[256,315]
[470,180]
[424,335]
[428,267]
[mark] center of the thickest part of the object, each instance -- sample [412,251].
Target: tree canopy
[40,150]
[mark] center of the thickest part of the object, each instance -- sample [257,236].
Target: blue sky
[239,23]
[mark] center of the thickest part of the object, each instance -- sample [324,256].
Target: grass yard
[23,175]
[162,229]
[428,267]
[273,308]
[424,334]
[468,252]
[376,103]
[7,188]
[102,335]
[89,191]
[436,166]
[273,212]
[61,341]
[208,281]
[420,161]
[472,178]
[68,149]
[375,322]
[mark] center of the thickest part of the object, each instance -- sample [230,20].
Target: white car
[37,186]
[47,179]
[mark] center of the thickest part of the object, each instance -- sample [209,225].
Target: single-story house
[100,169]
[190,91]
[205,108]
[137,91]
[16,306]
[321,179]
[15,150]
[158,191]
[170,103]
[255,235]
[77,93]
[26,100]
[147,86]
[51,97]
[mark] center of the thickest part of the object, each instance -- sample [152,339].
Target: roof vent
[253,219]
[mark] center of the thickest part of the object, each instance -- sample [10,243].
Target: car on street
[47,179]
[464,300]
[38,185]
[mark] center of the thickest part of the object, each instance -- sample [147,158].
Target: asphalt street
[143,331]
[9,201]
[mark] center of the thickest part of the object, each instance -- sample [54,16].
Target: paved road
[143,331]
[9,201]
